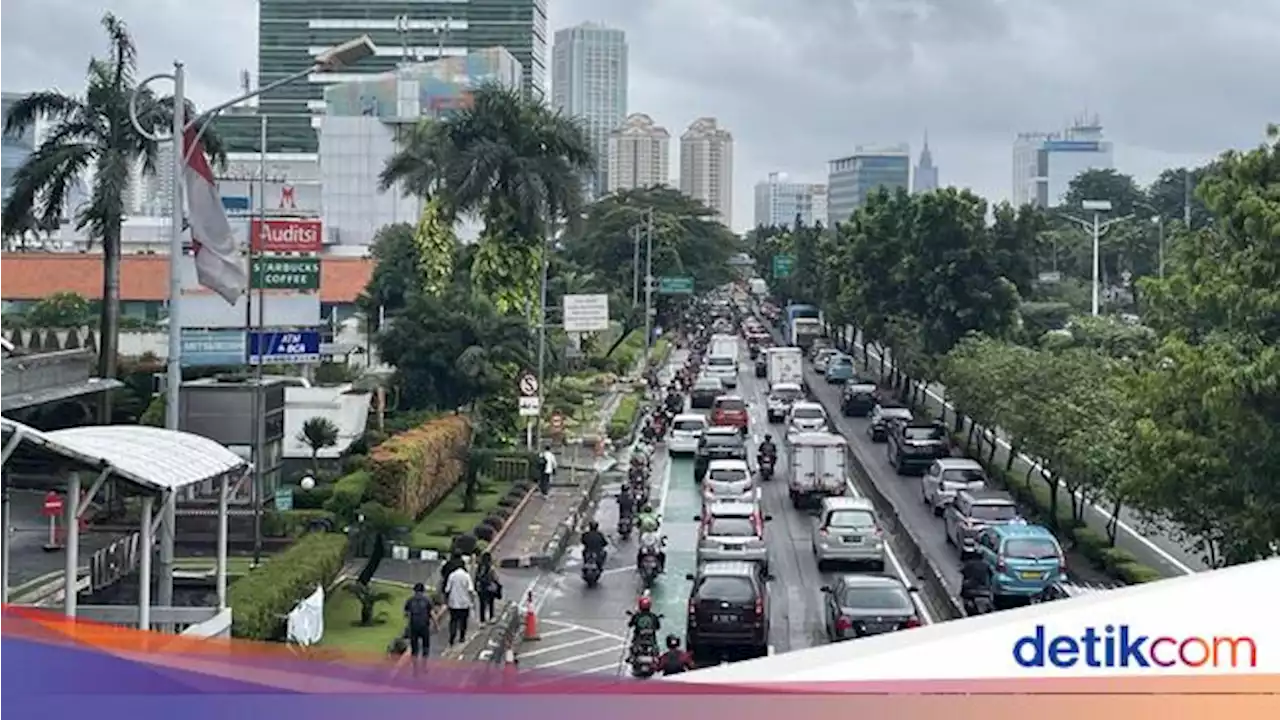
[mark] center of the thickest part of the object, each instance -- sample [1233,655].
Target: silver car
[948,476]
[733,531]
[848,531]
[822,357]
[729,480]
[806,417]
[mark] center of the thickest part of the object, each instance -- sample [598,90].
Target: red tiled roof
[32,276]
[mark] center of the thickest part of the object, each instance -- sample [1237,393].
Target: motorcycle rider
[644,622]
[594,543]
[767,450]
[975,583]
[675,660]
[649,524]
[626,502]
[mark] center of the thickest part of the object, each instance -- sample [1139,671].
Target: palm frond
[48,105]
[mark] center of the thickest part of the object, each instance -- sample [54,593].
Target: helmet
[648,508]
[644,603]
[673,642]
[594,526]
[768,437]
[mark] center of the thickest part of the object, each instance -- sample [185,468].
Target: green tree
[396,276]
[318,433]
[437,248]
[59,310]
[1105,184]
[1171,192]
[92,134]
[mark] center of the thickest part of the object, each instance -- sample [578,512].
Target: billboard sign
[286,235]
[586,313]
[204,348]
[286,273]
[284,347]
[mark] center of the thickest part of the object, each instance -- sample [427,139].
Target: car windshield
[730,404]
[724,440]
[993,512]
[728,475]
[690,424]
[963,475]
[841,360]
[709,384]
[895,412]
[720,362]
[727,589]
[923,433]
[732,527]
[876,598]
[851,520]
[809,413]
[1031,549]
[786,394]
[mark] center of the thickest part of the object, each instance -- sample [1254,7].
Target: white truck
[785,365]
[818,468]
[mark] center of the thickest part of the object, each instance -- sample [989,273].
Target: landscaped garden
[344,626]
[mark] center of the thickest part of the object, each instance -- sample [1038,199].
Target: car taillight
[913,622]
[759,608]
[693,607]
[844,624]
[1000,566]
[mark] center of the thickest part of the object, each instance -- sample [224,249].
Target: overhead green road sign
[783,265]
[286,273]
[675,286]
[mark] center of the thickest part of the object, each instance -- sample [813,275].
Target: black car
[705,391]
[718,443]
[863,605]
[858,399]
[728,610]
[913,446]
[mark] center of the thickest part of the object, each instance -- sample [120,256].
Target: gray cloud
[800,82]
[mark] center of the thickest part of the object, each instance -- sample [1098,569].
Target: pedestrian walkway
[543,516]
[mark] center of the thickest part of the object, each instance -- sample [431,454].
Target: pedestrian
[459,593]
[420,620]
[488,587]
[548,470]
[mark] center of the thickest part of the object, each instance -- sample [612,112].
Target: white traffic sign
[530,406]
[586,313]
[528,384]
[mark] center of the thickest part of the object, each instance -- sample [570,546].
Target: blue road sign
[202,348]
[235,203]
[284,347]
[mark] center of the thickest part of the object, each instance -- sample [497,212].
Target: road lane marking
[616,667]
[561,646]
[575,658]
[585,629]
[613,571]
[553,633]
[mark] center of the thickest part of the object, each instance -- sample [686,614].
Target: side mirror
[697,518]
[689,577]
[913,589]
[770,577]
[768,518]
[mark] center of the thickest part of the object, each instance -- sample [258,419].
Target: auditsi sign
[286,235]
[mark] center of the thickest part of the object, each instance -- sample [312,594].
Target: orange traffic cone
[530,619]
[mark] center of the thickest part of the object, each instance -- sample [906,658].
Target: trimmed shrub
[297,522]
[263,597]
[347,495]
[354,463]
[494,522]
[313,499]
[412,471]
[484,532]
[464,543]
[624,417]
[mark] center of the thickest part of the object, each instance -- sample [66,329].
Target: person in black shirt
[975,581]
[594,543]
[626,502]
[675,660]
[488,588]
[453,563]
[417,612]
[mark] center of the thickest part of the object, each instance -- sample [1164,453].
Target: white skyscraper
[779,202]
[589,81]
[926,174]
[1044,164]
[639,154]
[706,166]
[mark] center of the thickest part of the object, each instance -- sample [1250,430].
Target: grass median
[342,628]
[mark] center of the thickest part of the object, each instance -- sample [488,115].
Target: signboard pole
[535,433]
[255,493]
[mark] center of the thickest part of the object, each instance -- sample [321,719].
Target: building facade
[851,179]
[925,178]
[780,202]
[639,154]
[1044,164]
[706,166]
[589,82]
[292,32]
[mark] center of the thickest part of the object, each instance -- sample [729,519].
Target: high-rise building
[1044,164]
[781,202]
[639,154]
[589,82]
[706,166]
[851,179]
[926,174]
[292,32]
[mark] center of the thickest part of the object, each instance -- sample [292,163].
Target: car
[839,369]
[730,411]
[718,443]
[729,480]
[858,398]
[913,446]
[733,531]
[1026,561]
[806,417]
[781,397]
[882,415]
[723,367]
[948,476]
[817,346]
[864,605]
[848,531]
[728,610]
[973,510]
[686,431]
[762,366]
[822,357]
[705,391]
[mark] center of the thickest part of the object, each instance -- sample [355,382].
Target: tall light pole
[339,56]
[648,286]
[1097,227]
[1158,220]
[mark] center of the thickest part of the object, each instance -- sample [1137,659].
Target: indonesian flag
[218,265]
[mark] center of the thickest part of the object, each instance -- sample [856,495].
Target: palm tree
[318,433]
[512,160]
[91,135]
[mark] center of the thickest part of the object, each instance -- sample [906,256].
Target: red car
[730,411]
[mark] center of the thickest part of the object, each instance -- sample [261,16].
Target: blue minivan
[839,369]
[1025,561]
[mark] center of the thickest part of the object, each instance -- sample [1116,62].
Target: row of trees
[1177,417]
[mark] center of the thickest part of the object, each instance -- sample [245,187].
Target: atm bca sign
[300,236]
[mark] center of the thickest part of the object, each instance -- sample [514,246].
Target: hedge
[624,417]
[262,598]
[348,494]
[411,471]
[296,522]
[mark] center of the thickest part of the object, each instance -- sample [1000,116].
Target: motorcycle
[591,569]
[626,524]
[767,464]
[979,604]
[648,567]
[644,651]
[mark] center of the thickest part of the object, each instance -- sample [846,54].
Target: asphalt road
[583,631]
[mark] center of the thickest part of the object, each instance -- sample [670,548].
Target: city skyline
[589,81]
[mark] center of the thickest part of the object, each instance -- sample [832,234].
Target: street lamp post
[336,57]
[1157,219]
[1097,227]
[648,286]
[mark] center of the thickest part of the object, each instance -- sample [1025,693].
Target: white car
[723,367]
[946,477]
[806,417]
[823,357]
[781,397]
[727,480]
[686,431]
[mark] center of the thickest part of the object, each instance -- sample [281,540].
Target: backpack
[673,662]
[419,609]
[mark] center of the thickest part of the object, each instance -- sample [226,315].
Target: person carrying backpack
[420,620]
[488,588]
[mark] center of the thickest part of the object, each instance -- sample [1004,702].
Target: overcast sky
[799,82]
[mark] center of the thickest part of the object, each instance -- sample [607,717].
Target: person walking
[459,593]
[488,587]
[548,470]
[420,620]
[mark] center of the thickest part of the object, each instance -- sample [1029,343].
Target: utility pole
[1186,198]
[648,287]
[542,332]
[635,266]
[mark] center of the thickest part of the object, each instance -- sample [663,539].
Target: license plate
[877,627]
[733,548]
[1027,575]
[853,538]
[646,659]
[724,619]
